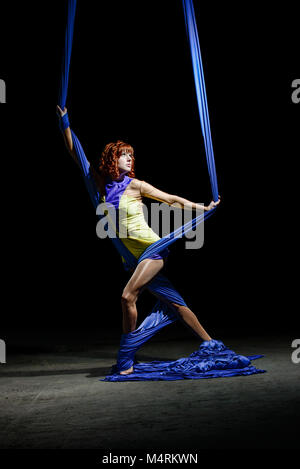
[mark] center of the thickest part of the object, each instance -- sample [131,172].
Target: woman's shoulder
[136,183]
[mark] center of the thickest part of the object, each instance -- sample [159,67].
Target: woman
[118,186]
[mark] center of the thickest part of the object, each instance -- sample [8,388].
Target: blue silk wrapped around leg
[159,317]
[212,359]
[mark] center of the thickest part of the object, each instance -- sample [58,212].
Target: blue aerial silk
[212,359]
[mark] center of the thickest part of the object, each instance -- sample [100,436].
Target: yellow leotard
[126,197]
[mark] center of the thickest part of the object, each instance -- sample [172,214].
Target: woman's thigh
[143,274]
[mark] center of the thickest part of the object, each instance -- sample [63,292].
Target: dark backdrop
[131,78]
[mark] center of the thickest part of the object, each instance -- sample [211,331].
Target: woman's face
[125,161]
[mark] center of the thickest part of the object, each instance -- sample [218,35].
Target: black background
[131,78]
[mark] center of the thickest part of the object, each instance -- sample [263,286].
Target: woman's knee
[128,298]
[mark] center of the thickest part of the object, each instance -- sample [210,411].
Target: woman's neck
[121,177]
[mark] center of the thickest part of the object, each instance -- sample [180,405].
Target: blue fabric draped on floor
[212,359]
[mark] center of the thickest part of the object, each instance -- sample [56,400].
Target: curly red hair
[108,164]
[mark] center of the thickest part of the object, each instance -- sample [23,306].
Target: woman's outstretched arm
[149,191]
[84,164]
[67,135]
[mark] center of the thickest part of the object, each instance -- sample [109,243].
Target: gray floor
[54,399]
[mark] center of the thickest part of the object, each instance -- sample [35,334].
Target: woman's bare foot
[127,372]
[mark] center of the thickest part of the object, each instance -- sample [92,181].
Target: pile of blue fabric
[211,360]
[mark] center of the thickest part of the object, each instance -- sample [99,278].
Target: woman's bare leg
[191,321]
[144,273]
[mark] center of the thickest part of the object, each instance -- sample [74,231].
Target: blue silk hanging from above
[212,359]
[62,98]
[162,243]
[191,28]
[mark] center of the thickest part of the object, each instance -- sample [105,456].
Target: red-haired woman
[118,186]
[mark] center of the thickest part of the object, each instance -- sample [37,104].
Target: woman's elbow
[174,200]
